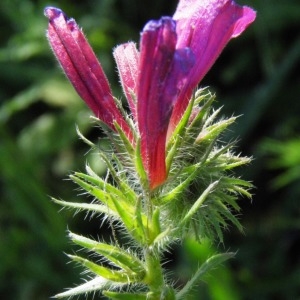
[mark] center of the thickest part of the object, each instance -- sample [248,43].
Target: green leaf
[222,150]
[105,186]
[96,284]
[116,255]
[199,202]
[237,161]
[109,274]
[139,219]
[83,138]
[206,267]
[230,200]
[234,186]
[242,191]
[231,181]
[128,218]
[98,208]
[156,222]
[118,178]
[227,213]
[101,195]
[216,220]
[191,172]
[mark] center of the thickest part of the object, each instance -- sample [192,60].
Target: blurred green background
[257,77]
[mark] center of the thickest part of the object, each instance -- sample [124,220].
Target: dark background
[257,77]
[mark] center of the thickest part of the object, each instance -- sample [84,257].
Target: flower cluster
[169,141]
[159,79]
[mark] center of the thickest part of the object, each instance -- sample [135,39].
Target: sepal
[198,162]
[190,174]
[211,132]
[178,135]
[196,206]
[126,144]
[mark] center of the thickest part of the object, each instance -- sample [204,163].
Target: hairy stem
[154,276]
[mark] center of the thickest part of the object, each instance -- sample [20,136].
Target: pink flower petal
[82,68]
[206,27]
[127,58]
[163,71]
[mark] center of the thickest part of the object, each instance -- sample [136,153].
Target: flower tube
[82,68]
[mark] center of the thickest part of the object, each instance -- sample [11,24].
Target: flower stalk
[172,174]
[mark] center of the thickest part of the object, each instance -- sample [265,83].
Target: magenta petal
[206,27]
[248,16]
[82,68]
[163,72]
[127,58]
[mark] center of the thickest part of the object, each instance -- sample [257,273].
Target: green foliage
[283,156]
[199,198]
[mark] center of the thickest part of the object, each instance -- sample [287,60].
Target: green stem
[158,290]
[154,277]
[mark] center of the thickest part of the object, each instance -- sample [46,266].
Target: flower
[127,57]
[206,27]
[158,81]
[82,68]
[175,54]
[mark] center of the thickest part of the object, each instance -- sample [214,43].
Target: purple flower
[175,54]
[163,72]
[206,26]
